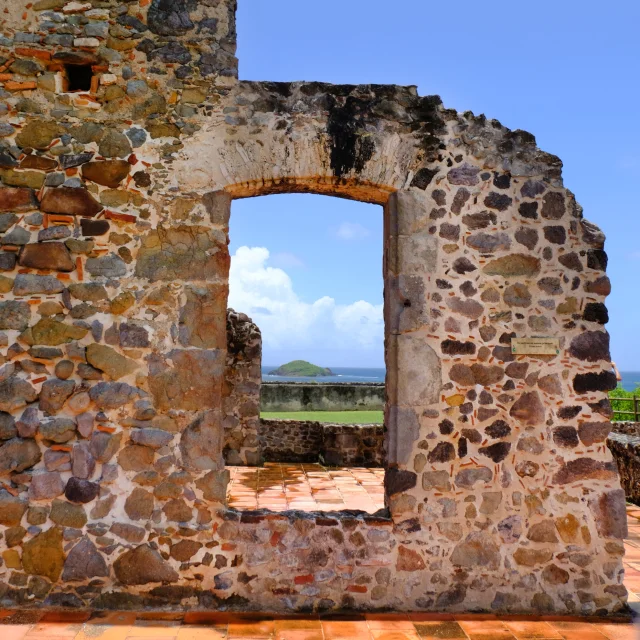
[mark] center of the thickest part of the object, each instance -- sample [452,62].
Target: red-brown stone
[109,173]
[17,199]
[46,255]
[70,201]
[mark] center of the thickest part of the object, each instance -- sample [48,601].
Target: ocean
[343,374]
[630,379]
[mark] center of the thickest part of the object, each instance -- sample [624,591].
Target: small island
[300,369]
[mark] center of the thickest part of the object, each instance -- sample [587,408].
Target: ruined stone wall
[340,445]
[321,396]
[624,443]
[241,391]
[114,204]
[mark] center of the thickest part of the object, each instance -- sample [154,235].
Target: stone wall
[624,443]
[114,210]
[241,391]
[347,445]
[295,396]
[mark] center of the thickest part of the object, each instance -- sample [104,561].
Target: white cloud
[266,294]
[286,260]
[352,231]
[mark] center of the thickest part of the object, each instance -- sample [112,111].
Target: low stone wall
[332,444]
[296,396]
[624,443]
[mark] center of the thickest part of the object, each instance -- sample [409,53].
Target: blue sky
[565,71]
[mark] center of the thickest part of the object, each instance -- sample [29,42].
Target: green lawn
[340,417]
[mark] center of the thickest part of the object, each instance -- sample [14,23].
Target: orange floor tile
[306,487]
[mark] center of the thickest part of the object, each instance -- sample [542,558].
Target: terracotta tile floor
[77,625]
[307,487]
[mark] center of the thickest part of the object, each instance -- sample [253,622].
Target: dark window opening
[78,77]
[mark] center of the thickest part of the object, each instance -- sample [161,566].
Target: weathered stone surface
[465,174]
[143,565]
[591,346]
[133,336]
[109,173]
[184,550]
[103,446]
[477,550]
[27,284]
[496,452]
[80,490]
[112,395]
[54,393]
[591,433]
[468,477]
[106,359]
[469,308]
[70,201]
[7,261]
[517,295]
[139,504]
[475,221]
[182,252]
[553,207]
[566,437]
[43,554]
[14,315]
[214,486]
[442,452]
[111,266]
[83,461]
[11,509]
[198,317]
[58,430]
[17,199]
[532,557]
[88,292]
[409,560]
[609,512]
[68,515]
[568,527]
[498,429]
[46,485]
[154,438]
[186,379]
[177,510]
[543,532]
[514,266]
[510,529]
[128,532]
[94,227]
[489,242]
[528,409]
[587,382]
[84,562]
[487,375]
[585,469]
[17,455]
[15,393]
[550,384]
[200,443]
[136,458]
[114,145]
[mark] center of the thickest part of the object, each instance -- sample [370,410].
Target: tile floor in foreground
[76,625]
[307,487]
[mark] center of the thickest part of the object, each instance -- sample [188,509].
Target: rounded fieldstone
[79,490]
